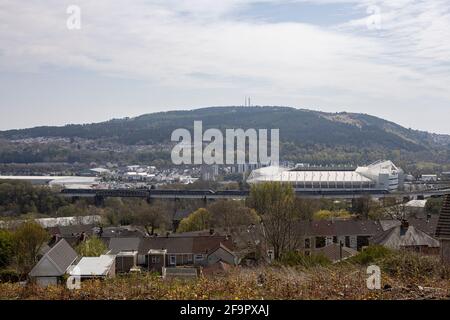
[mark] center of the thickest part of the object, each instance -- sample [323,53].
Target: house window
[347,241]
[189,258]
[335,239]
[362,241]
[307,243]
[155,259]
[172,260]
[198,257]
[320,242]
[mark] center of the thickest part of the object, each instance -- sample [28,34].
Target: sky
[388,58]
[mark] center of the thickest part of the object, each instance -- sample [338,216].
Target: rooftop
[93,266]
[443,225]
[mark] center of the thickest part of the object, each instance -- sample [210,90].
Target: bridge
[242,194]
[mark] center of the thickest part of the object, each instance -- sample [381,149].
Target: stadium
[380,175]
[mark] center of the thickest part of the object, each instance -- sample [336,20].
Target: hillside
[305,135]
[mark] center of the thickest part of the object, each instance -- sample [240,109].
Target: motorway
[241,194]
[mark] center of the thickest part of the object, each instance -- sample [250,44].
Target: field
[344,281]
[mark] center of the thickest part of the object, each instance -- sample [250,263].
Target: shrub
[92,247]
[9,275]
[327,214]
[6,248]
[293,258]
[371,254]
[407,264]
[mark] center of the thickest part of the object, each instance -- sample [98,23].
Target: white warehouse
[381,175]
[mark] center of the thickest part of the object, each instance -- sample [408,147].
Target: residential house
[157,252]
[125,261]
[443,230]
[94,267]
[336,252]
[353,234]
[407,237]
[415,208]
[427,225]
[127,244]
[126,252]
[123,232]
[54,264]
[222,254]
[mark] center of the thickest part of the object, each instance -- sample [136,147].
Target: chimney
[404,227]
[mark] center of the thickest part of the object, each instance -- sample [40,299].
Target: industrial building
[380,175]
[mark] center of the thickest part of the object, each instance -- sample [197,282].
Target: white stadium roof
[279,174]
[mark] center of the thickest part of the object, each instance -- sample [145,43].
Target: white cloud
[199,44]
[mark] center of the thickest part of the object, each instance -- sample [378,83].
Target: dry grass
[334,282]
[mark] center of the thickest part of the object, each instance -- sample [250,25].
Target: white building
[429,177]
[382,175]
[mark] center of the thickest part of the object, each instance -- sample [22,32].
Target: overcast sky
[386,58]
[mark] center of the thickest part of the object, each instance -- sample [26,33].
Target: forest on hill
[305,136]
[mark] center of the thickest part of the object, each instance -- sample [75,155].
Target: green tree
[275,203]
[327,214]
[228,214]
[434,205]
[6,248]
[92,247]
[198,220]
[29,238]
[362,206]
[151,216]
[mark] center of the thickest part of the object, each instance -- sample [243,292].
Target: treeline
[306,136]
[20,250]
[18,197]
[34,153]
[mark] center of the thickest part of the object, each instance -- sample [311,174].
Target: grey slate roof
[188,245]
[394,238]
[426,225]
[333,252]
[171,244]
[443,225]
[117,245]
[56,261]
[339,227]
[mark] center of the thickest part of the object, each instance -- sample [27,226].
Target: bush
[6,248]
[92,247]
[327,214]
[293,258]
[371,254]
[9,275]
[406,264]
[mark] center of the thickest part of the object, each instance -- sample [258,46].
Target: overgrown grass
[406,264]
[401,263]
[293,258]
[330,282]
[371,254]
